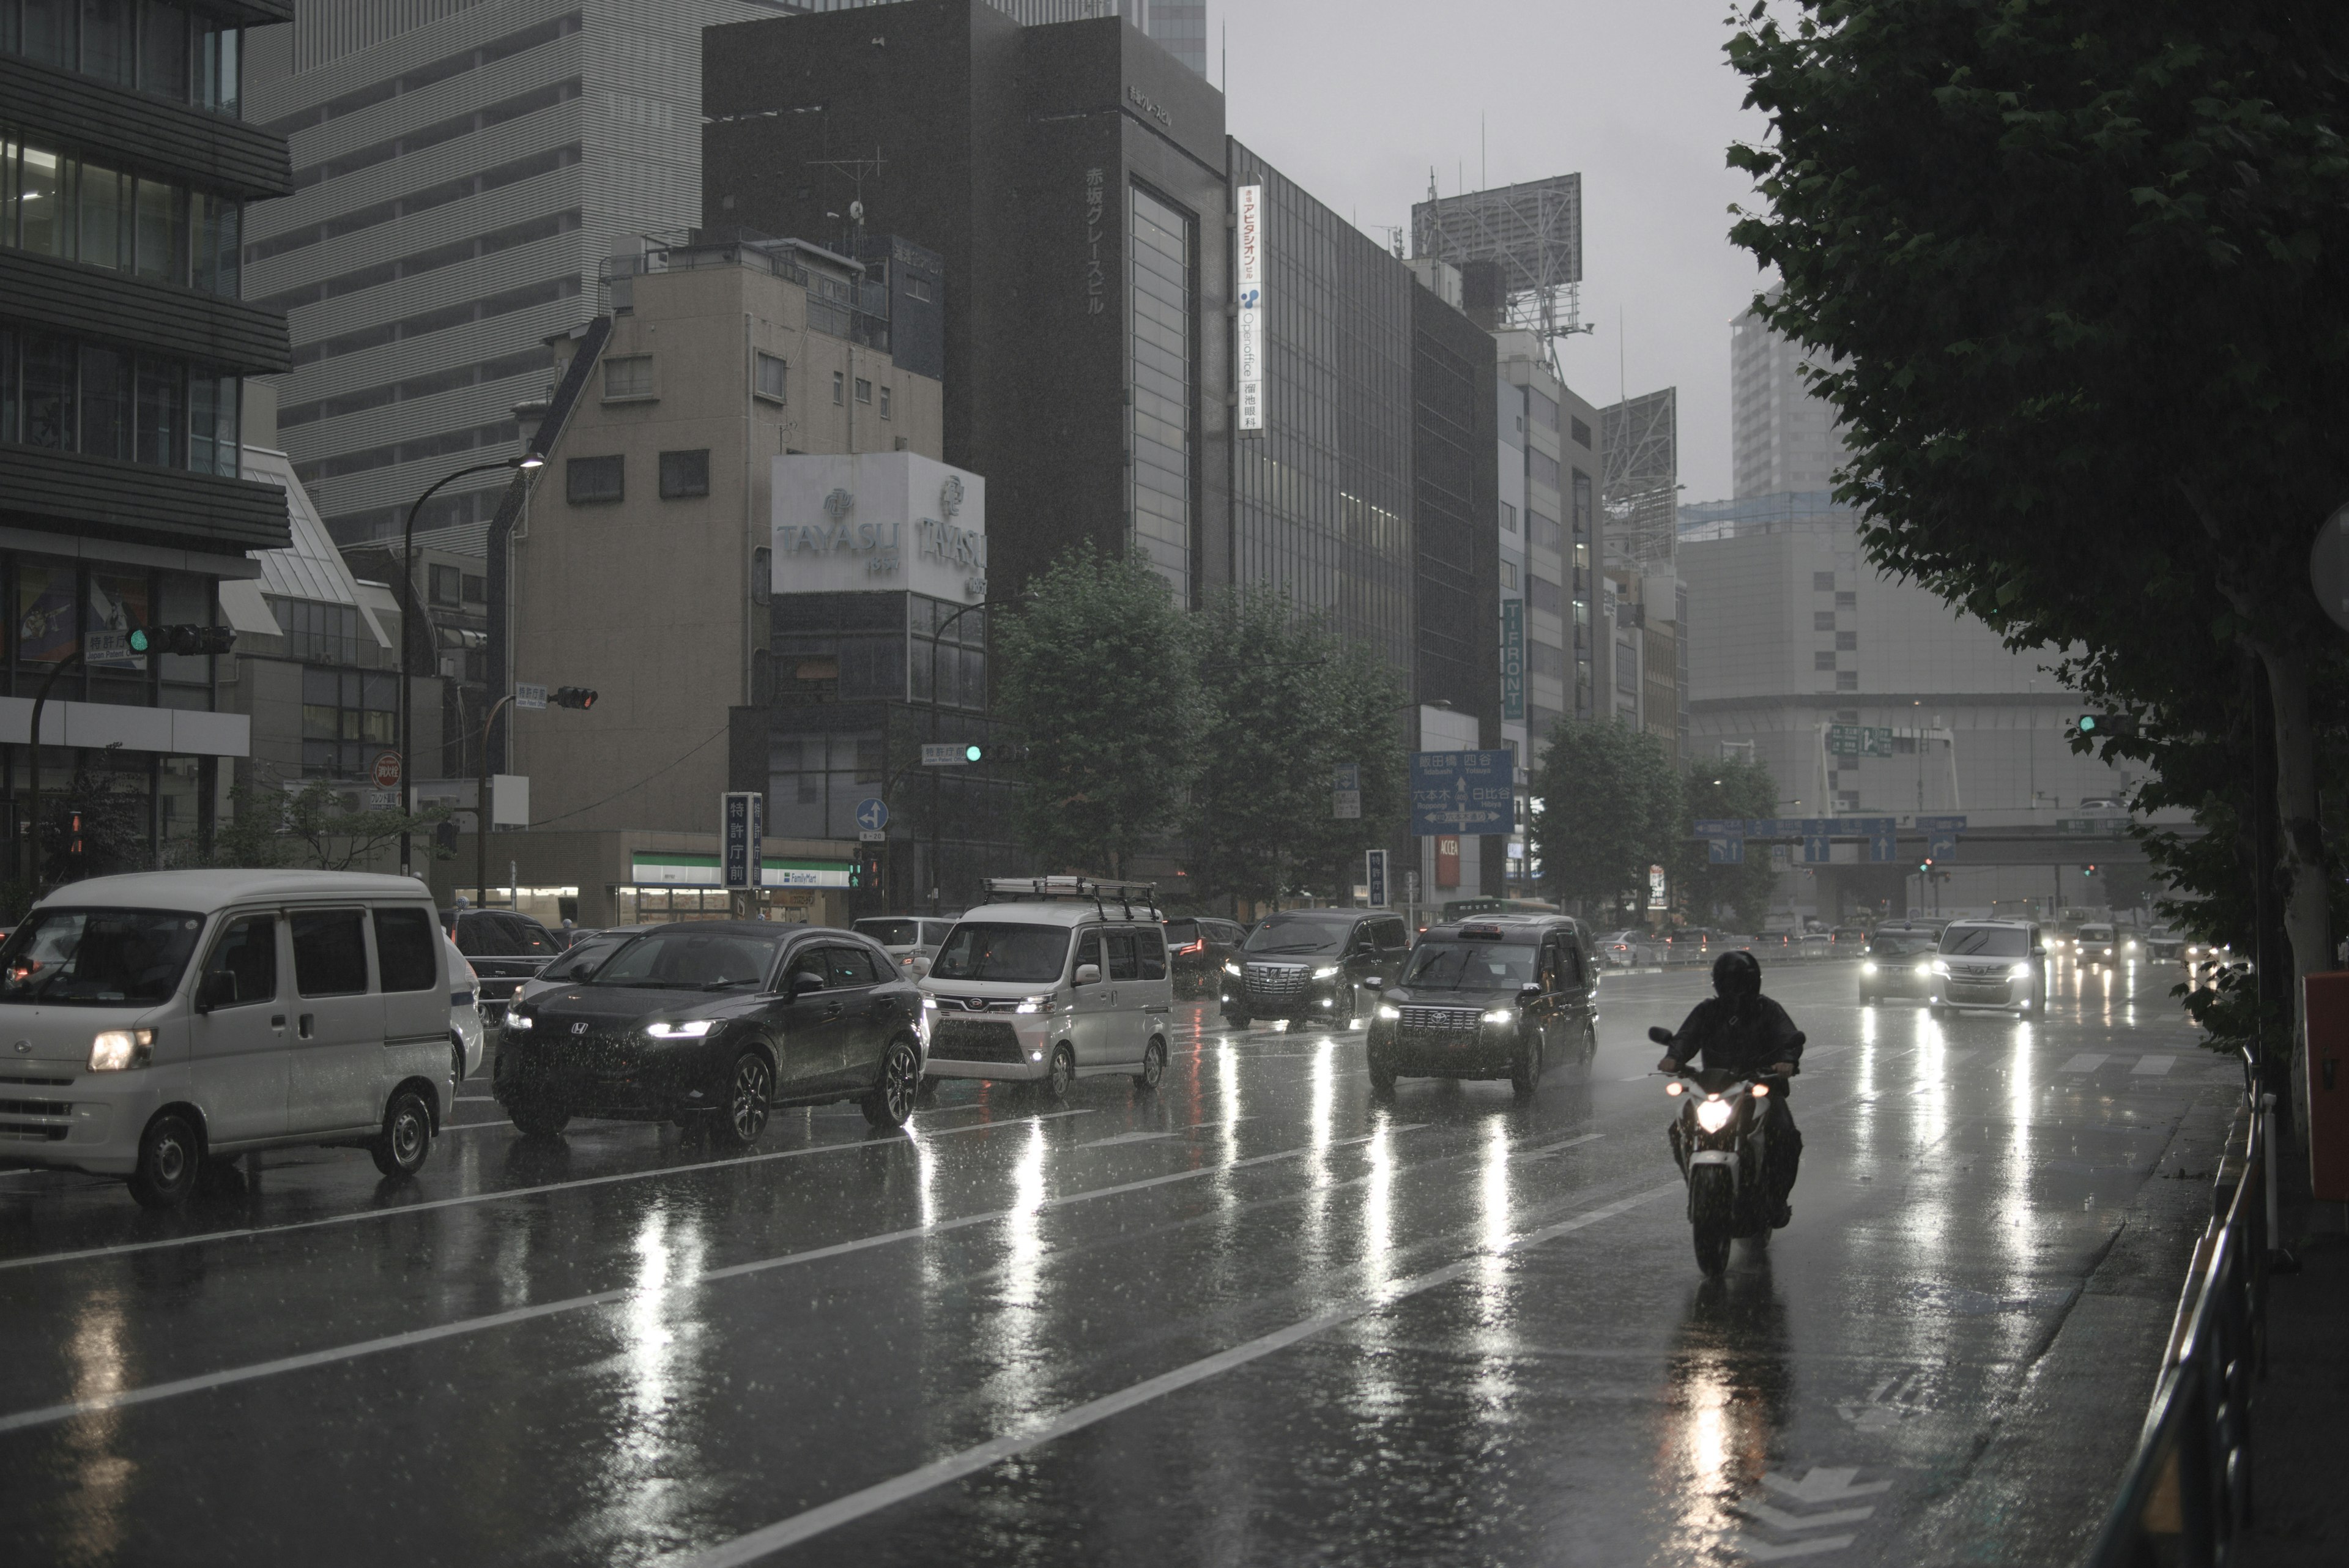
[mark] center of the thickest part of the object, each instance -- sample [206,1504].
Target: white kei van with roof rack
[151,1022]
[1051,979]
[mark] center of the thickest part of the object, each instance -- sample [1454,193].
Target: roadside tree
[1726,787]
[1610,808]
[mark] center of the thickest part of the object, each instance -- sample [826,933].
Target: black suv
[1199,946]
[711,1023]
[1489,999]
[505,948]
[1312,963]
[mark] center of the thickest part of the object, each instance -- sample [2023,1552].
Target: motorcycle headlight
[1389,1012]
[1714,1115]
[1231,968]
[119,1050]
[1327,972]
[2019,971]
[2132,947]
[1502,1015]
[687,1029]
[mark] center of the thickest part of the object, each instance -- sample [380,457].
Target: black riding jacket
[1745,1035]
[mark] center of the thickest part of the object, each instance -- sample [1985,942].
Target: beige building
[642,568]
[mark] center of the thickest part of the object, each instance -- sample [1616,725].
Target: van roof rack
[1093,890]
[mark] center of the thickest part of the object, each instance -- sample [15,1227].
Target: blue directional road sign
[1941,825]
[1462,792]
[1880,847]
[1725,851]
[872,814]
[1816,849]
[1940,844]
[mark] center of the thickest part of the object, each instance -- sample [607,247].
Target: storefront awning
[651,870]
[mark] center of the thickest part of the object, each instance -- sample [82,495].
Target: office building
[460,169]
[1178,26]
[126,174]
[1783,436]
[1643,606]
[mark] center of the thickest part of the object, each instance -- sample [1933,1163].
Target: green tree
[1728,787]
[313,828]
[1609,808]
[1096,677]
[1361,700]
[2077,268]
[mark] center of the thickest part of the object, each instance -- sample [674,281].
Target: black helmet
[1737,973]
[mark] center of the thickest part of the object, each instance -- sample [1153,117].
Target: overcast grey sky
[1356,98]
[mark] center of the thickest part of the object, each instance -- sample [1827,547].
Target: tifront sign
[1512,661]
[878,521]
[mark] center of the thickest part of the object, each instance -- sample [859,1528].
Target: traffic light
[1925,867]
[573,697]
[76,846]
[2097,725]
[867,871]
[973,752]
[181,639]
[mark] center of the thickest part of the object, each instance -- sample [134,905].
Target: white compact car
[464,1012]
[157,1021]
[1053,978]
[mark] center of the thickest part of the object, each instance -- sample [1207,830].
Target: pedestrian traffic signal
[866,870]
[573,697]
[181,639]
[2101,724]
[76,846]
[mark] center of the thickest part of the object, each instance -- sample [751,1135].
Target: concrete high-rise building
[1643,606]
[461,167]
[1180,26]
[1783,437]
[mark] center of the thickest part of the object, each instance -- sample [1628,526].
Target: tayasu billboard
[879,522]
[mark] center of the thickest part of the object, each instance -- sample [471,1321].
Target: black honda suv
[711,1023]
[1489,999]
[1310,964]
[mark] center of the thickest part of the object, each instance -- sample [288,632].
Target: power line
[641,784]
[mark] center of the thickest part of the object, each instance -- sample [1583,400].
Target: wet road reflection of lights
[102,1477]
[1010,1336]
[649,1462]
[1320,1113]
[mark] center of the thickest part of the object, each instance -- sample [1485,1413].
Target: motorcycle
[1720,1141]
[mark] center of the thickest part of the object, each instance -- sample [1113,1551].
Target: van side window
[1088,952]
[1150,947]
[243,967]
[403,949]
[330,952]
[1121,964]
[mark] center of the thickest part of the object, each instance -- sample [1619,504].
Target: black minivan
[1489,999]
[1312,964]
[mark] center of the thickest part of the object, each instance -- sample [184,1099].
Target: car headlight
[1327,972]
[2019,971]
[1868,968]
[1231,968]
[1941,967]
[929,1004]
[1502,1015]
[1925,968]
[1036,1004]
[119,1050]
[687,1029]
[521,1022]
[1714,1115]
[2132,947]
[1390,1012]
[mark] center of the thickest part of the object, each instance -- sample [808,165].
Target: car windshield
[1986,942]
[685,958]
[1279,936]
[1469,966]
[2096,933]
[97,957]
[1027,954]
[892,933]
[579,962]
[1895,943]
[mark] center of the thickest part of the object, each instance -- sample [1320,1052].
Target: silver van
[1052,979]
[151,1022]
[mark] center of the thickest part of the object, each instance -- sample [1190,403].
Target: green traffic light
[137,640]
[971,754]
[2087,724]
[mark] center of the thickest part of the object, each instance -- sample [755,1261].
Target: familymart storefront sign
[647,870]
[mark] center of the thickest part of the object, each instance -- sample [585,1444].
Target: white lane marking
[1547,1149]
[2152,1066]
[49,1414]
[1131,1137]
[2085,1061]
[1792,1523]
[448,1127]
[1763,1551]
[841,1511]
[473,1198]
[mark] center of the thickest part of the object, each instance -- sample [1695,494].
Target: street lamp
[527,461]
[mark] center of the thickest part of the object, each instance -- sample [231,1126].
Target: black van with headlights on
[1489,999]
[1306,964]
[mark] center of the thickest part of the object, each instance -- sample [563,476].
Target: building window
[916,287]
[1543,594]
[1508,518]
[1846,599]
[318,633]
[131,42]
[1582,435]
[839,389]
[684,474]
[1822,659]
[1847,679]
[1544,530]
[629,376]
[1823,621]
[1823,581]
[75,397]
[1159,375]
[884,402]
[347,716]
[770,378]
[1847,640]
[447,584]
[863,391]
[1584,507]
[589,479]
[1541,467]
[1508,574]
[476,589]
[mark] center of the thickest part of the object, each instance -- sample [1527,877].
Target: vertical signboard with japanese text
[1248,287]
[1512,661]
[744,843]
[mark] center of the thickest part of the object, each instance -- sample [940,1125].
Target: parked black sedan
[711,1023]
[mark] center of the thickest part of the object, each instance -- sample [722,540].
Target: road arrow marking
[1795,1523]
[1824,1485]
[1763,1551]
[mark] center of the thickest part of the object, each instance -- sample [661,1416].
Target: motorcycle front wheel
[1712,1216]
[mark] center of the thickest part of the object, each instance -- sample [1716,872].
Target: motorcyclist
[1740,1031]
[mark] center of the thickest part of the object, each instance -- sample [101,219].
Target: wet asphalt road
[1255,1317]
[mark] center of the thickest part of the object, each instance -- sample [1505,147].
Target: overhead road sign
[1462,792]
[1941,824]
[1859,740]
[954,754]
[1942,845]
[1725,851]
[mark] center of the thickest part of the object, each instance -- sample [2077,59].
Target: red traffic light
[573,697]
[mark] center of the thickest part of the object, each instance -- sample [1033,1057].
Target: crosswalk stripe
[2085,1061]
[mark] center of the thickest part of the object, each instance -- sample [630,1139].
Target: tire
[538,1120]
[406,1139]
[1709,1216]
[1353,1008]
[169,1157]
[1383,1077]
[1589,1044]
[1154,1066]
[898,1087]
[1059,1074]
[750,1090]
[1526,1077]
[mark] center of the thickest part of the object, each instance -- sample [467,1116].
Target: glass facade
[1321,499]
[1161,374]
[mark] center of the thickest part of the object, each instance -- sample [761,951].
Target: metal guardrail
[2185,1500]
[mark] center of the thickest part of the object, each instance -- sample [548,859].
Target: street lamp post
[409,621]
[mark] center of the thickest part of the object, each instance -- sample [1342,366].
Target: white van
[1053,978]
[149,1023]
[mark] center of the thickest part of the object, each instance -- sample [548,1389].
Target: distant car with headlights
[2000,964]
[1310,964]
[1899,964]
[2163,945]
[1198,947]
[2100,944]
[1630,949]
[1495,998]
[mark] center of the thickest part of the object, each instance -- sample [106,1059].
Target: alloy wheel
[901,1081]
[746,1101]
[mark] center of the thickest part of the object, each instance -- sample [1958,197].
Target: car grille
[950,1006]
[969,1040]
[1439,1021]
[1276,981]
[41,1083]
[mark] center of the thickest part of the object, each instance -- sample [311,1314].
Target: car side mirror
[1531,988]
[217,988]
[1374,982]
[802,984]
[1660,1036]
[1088,974]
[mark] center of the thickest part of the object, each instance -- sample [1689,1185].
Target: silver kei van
[1052,979]
[151,1022]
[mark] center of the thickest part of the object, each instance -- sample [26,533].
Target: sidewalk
[2299,1417]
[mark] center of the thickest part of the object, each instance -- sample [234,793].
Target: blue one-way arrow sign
[872,814]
